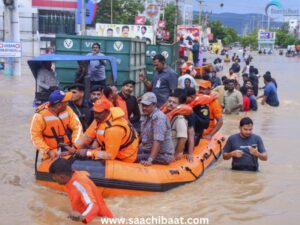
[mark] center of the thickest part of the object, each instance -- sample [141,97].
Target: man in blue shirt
[164,80]
[245,148]
[270,91]
[96,68]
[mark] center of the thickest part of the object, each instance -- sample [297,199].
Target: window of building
[54,21]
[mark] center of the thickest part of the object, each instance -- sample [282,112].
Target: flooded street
[270,197]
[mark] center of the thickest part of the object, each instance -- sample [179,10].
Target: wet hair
[61,167]
[268,77]
[231,81]
[76,86]
[107,91]
[96,88]
[226,81]
[190,91]
[128,82]
[180,94]
[223,78]
[245,121]
[160,58]
[243,90]
[97,44]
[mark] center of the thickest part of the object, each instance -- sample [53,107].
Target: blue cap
[59,96]
[149,98]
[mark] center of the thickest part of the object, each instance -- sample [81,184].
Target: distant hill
[243,23]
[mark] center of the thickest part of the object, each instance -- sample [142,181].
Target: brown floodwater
[269,197]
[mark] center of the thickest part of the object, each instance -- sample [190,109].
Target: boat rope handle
[213,153]
[190,170]
[35,162]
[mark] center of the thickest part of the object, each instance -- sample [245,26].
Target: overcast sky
[244,6]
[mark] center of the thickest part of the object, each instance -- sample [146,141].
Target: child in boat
[86,200]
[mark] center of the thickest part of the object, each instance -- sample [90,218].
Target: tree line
[123,12]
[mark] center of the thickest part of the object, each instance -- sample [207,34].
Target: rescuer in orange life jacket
[116,137]
[54,125]
[86,200]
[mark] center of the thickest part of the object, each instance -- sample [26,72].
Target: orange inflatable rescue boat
[113,177]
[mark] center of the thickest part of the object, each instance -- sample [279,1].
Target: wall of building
[28,28]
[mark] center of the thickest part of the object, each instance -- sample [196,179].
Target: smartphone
[254,146]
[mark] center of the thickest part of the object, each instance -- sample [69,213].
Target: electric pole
[176,21]
[111,12]
[12,34]
[200,11]
[83,16]
[16,36]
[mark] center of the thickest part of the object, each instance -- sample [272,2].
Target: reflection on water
[269,197]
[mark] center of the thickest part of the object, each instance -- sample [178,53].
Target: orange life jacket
[122,104]
[119,103]
[202,99]
[56,128]
[85,198]
[183,110]
[127,151]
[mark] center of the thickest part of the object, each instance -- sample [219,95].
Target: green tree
[285,27]
[283,39]
[170,12]
[147,22]
[226,34]
[123,11]
[217,29]
[250,40]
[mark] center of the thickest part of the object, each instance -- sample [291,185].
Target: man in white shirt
[181,80]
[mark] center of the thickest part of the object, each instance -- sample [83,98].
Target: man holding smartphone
[245,148]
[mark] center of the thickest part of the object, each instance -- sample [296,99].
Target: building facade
[39,21]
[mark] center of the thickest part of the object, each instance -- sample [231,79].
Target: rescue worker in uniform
[86,200]
[116,137]
[199,103]
[55,124]
[215,110]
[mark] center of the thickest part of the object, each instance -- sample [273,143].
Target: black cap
[128,82]
[96,88]
[77,86]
